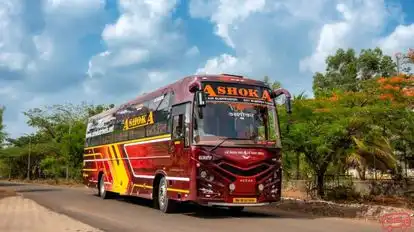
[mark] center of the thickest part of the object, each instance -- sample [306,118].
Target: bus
[213,140]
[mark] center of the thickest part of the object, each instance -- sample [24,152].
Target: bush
[345,192]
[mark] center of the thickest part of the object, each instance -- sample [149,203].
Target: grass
[57,182]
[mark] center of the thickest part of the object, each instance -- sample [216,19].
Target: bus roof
[180,87]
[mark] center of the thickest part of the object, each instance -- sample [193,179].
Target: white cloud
[140,22]
[40,54]
[223,63]
[289,40]
[12,57]
[360,24]
[399,40]
[72,8]
[146,41]
[226,14]
[267,37]
[193,51]
[146,46]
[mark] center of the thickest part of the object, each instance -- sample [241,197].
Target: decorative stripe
[87,155]
[153,157]
[133,158]
[167,177]
[178,190]
[133,141]
[122,180]
[168,189]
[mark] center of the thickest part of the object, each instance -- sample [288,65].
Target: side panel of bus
[138,148]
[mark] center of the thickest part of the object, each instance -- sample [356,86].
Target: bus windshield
[246,123]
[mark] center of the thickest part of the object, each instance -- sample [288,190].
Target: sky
[110,51]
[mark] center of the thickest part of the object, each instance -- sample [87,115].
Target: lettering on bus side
[236,90]
[139,121]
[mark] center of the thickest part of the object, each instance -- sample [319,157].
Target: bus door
[180,138]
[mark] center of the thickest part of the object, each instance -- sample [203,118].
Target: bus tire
[101,188]
[165,204]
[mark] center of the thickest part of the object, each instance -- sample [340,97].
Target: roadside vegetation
[357,128]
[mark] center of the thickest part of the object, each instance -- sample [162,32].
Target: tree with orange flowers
[360,117]
[345,70]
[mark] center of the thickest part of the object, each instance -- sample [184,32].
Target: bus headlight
[203,174]
[261,187]
[232,187]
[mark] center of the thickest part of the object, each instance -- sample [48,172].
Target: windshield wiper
[224,140]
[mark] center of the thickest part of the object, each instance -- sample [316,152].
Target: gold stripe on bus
[122,171]
[132,141]
[88,155]
[178,190]
[114,169]
[168,189]
[93,154]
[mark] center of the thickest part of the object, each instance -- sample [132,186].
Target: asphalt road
[133,214]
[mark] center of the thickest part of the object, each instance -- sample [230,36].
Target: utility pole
[69,114]
[70,143]
[28,157]
[10,168]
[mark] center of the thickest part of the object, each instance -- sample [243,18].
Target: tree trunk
[320,185]
[297,166]
[10,169]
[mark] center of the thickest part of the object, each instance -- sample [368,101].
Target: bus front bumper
[224,204]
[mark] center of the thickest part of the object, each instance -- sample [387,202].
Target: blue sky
[109,51]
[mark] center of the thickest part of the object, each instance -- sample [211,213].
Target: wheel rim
[102,186]
[162,194]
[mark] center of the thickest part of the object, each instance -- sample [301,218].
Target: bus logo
[236,92]
[139,121]
[399,221]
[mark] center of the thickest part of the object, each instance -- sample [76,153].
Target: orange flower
[386,96]
[397,79]
[409,92]
[334,97]
[381,80]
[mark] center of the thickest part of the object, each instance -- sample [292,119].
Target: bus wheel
[165,205]
[101,188]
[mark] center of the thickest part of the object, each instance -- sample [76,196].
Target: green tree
[345,70]
[322,131]
[56,149]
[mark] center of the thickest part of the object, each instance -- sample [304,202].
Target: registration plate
[244,200]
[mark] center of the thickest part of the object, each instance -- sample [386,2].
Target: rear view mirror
[288,105]
[281,91]
[201,98]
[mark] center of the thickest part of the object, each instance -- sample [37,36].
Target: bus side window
[181,115]
[178,127]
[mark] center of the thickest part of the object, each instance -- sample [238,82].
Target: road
[133,214]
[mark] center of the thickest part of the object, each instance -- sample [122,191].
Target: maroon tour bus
[213,140]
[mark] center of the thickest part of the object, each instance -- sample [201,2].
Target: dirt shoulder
[6,193]
[366,209]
